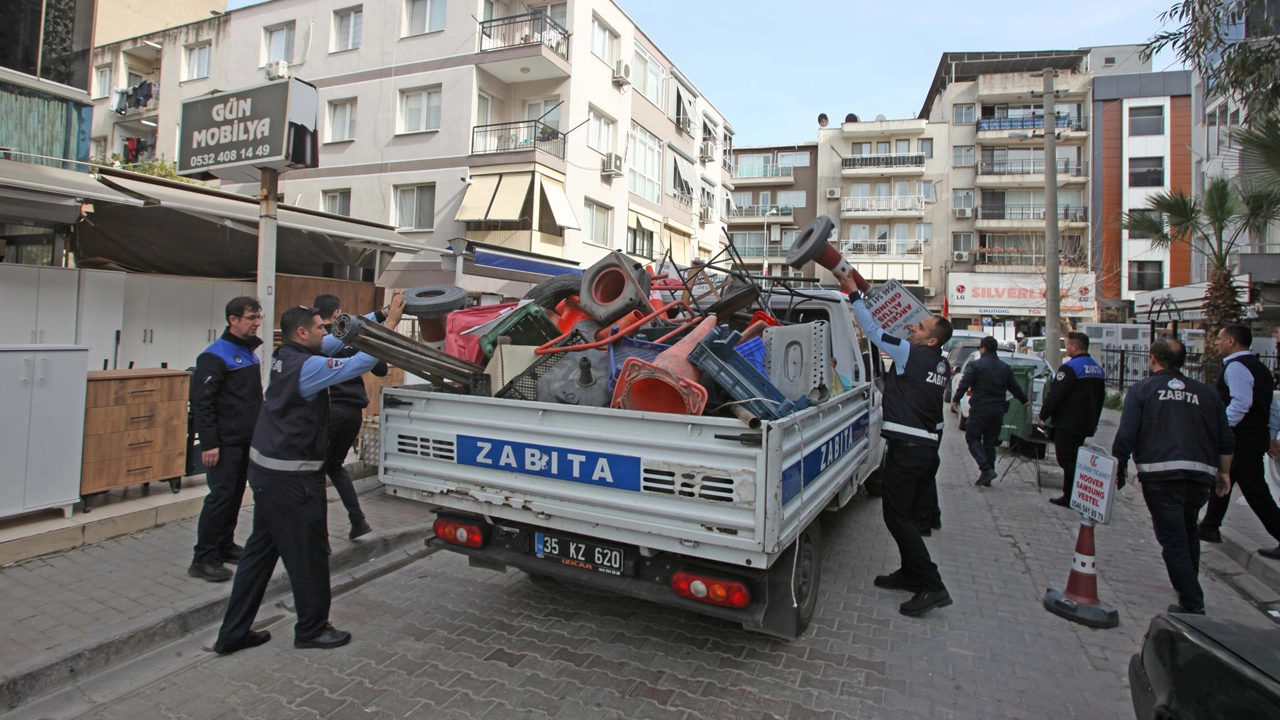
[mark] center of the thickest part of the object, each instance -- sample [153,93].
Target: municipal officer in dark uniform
[990,379]
[226,395]
[1072,408]
[1176,431]
[347,401]
[913,390]
[286,472]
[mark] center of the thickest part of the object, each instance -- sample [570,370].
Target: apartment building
[123,19]
[880,178]
[774,195]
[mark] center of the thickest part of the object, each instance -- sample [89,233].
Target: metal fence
[1125,367]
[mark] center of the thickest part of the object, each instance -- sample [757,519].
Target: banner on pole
[894,308]
[1095,484]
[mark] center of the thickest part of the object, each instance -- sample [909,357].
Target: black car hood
[1257,643]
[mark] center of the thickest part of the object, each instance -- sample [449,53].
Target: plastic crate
[525,385]
[721,363]
[526,325]
[754,351]
[624,348]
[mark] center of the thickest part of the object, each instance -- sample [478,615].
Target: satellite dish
[880,118]
[822,120]
[851,118]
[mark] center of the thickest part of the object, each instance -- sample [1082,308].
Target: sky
[771,67]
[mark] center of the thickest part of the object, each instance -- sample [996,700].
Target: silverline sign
[246,129]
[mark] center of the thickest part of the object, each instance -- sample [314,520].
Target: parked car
[1040,375]
[956,358]
[1197,666]
[962,337]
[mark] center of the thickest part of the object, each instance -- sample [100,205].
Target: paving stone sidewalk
[443,640]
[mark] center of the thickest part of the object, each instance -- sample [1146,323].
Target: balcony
[1070,129]
[862,207]
[761,214]
[882,165]
[763,175]
[524,48]
[1028,173]
[881,248]
[515,137]
[883,128]
[1026,253]
[997,217]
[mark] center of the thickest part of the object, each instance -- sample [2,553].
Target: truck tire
[550,292]
[808,572]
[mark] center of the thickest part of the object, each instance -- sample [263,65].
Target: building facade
[773,196]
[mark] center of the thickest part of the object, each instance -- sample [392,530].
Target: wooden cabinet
[135,429]
[42,391]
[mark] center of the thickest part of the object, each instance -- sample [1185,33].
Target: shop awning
[508,202]
[643,222]
[561,208]
[475,204]
[43,194]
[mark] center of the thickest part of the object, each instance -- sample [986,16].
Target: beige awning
[508,202]
[677,226]
[475,204]
[644,222]
[561,209]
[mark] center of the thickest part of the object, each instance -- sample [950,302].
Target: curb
[66,665]
[1245,553]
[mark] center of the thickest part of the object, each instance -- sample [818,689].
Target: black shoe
[984,480]
[1061,501]
[359,529]
[231,555]
[329,638]
[1208,534]
[1273,553]
[894,581]
[936,524]
[213,572]
[1178,609]
[924,601]
[252,640]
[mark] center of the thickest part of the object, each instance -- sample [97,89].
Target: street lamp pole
[1052,281]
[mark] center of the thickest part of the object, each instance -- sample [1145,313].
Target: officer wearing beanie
[286,471]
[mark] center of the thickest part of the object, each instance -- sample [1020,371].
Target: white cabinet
[169,321]
[56,308]
[39,304]
[165,320]
[42,388]
[101,316]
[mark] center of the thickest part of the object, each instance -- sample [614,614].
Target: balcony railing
[891,160]
[882,247]
[1033,167]
[517,136]
[763,171]
[1067,213]
[1065,122]
[911,203]
[524,29]
[683,199]
[1030,251]
[761,211]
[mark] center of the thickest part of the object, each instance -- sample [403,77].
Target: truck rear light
[465,534]
[714,591]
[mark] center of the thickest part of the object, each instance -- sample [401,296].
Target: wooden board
[135,390]
[122,418]
[356,297]
[373,386]
[119,472]
[133,443]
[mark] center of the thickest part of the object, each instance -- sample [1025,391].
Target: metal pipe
[745,416]
[412,356]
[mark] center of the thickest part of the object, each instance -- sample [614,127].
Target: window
[599,132]
[1137,234]
[1146,120]
[863,148]
[793,198]
[1146,275]
[962,156]
[598,222]
[604,42]
[1107,61]
[793,159]
[962,114]
[902,147]
[102,82]
[99,149]
[419,110]
[1146,172]
[962,198]
[924,189]
[342,120]
[924,232]
[197,62]
[424,16]
[640,242]
[681,179]
[647,76]
[962,242]
[337,202]
[347,25]
[882,148]
[741,199]
[558,12]
[416,207]
[279,43]
[925,146]
[644,171]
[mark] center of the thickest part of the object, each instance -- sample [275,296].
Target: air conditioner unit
[960,256]
[278,70]
[705,215]
[707,151]
[928,292]
[621,73]
[611,165]
[964,212]
[833,193]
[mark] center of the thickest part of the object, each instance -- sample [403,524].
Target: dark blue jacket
[990,378]
[1076,395]
[1174,428]
[226,392]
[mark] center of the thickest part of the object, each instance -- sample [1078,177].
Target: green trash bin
[1018,419]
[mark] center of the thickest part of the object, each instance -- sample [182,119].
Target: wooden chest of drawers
[135,429]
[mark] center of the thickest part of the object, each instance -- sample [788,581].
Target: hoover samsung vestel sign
[258,127]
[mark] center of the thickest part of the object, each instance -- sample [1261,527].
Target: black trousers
[289,525]
[982,434]
[909,470]
[1174,507]
[1066,445]
[928,513]
[216,529]
[344,428]
[1248,470]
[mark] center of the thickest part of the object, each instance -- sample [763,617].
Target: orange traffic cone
[669,384]
[1079,603]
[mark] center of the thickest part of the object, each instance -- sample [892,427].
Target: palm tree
[1214,225]
[1259,143]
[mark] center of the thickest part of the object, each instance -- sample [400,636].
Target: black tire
[807,575]
[550,292]
[434,300]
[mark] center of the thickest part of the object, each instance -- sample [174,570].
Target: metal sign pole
[267,264]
